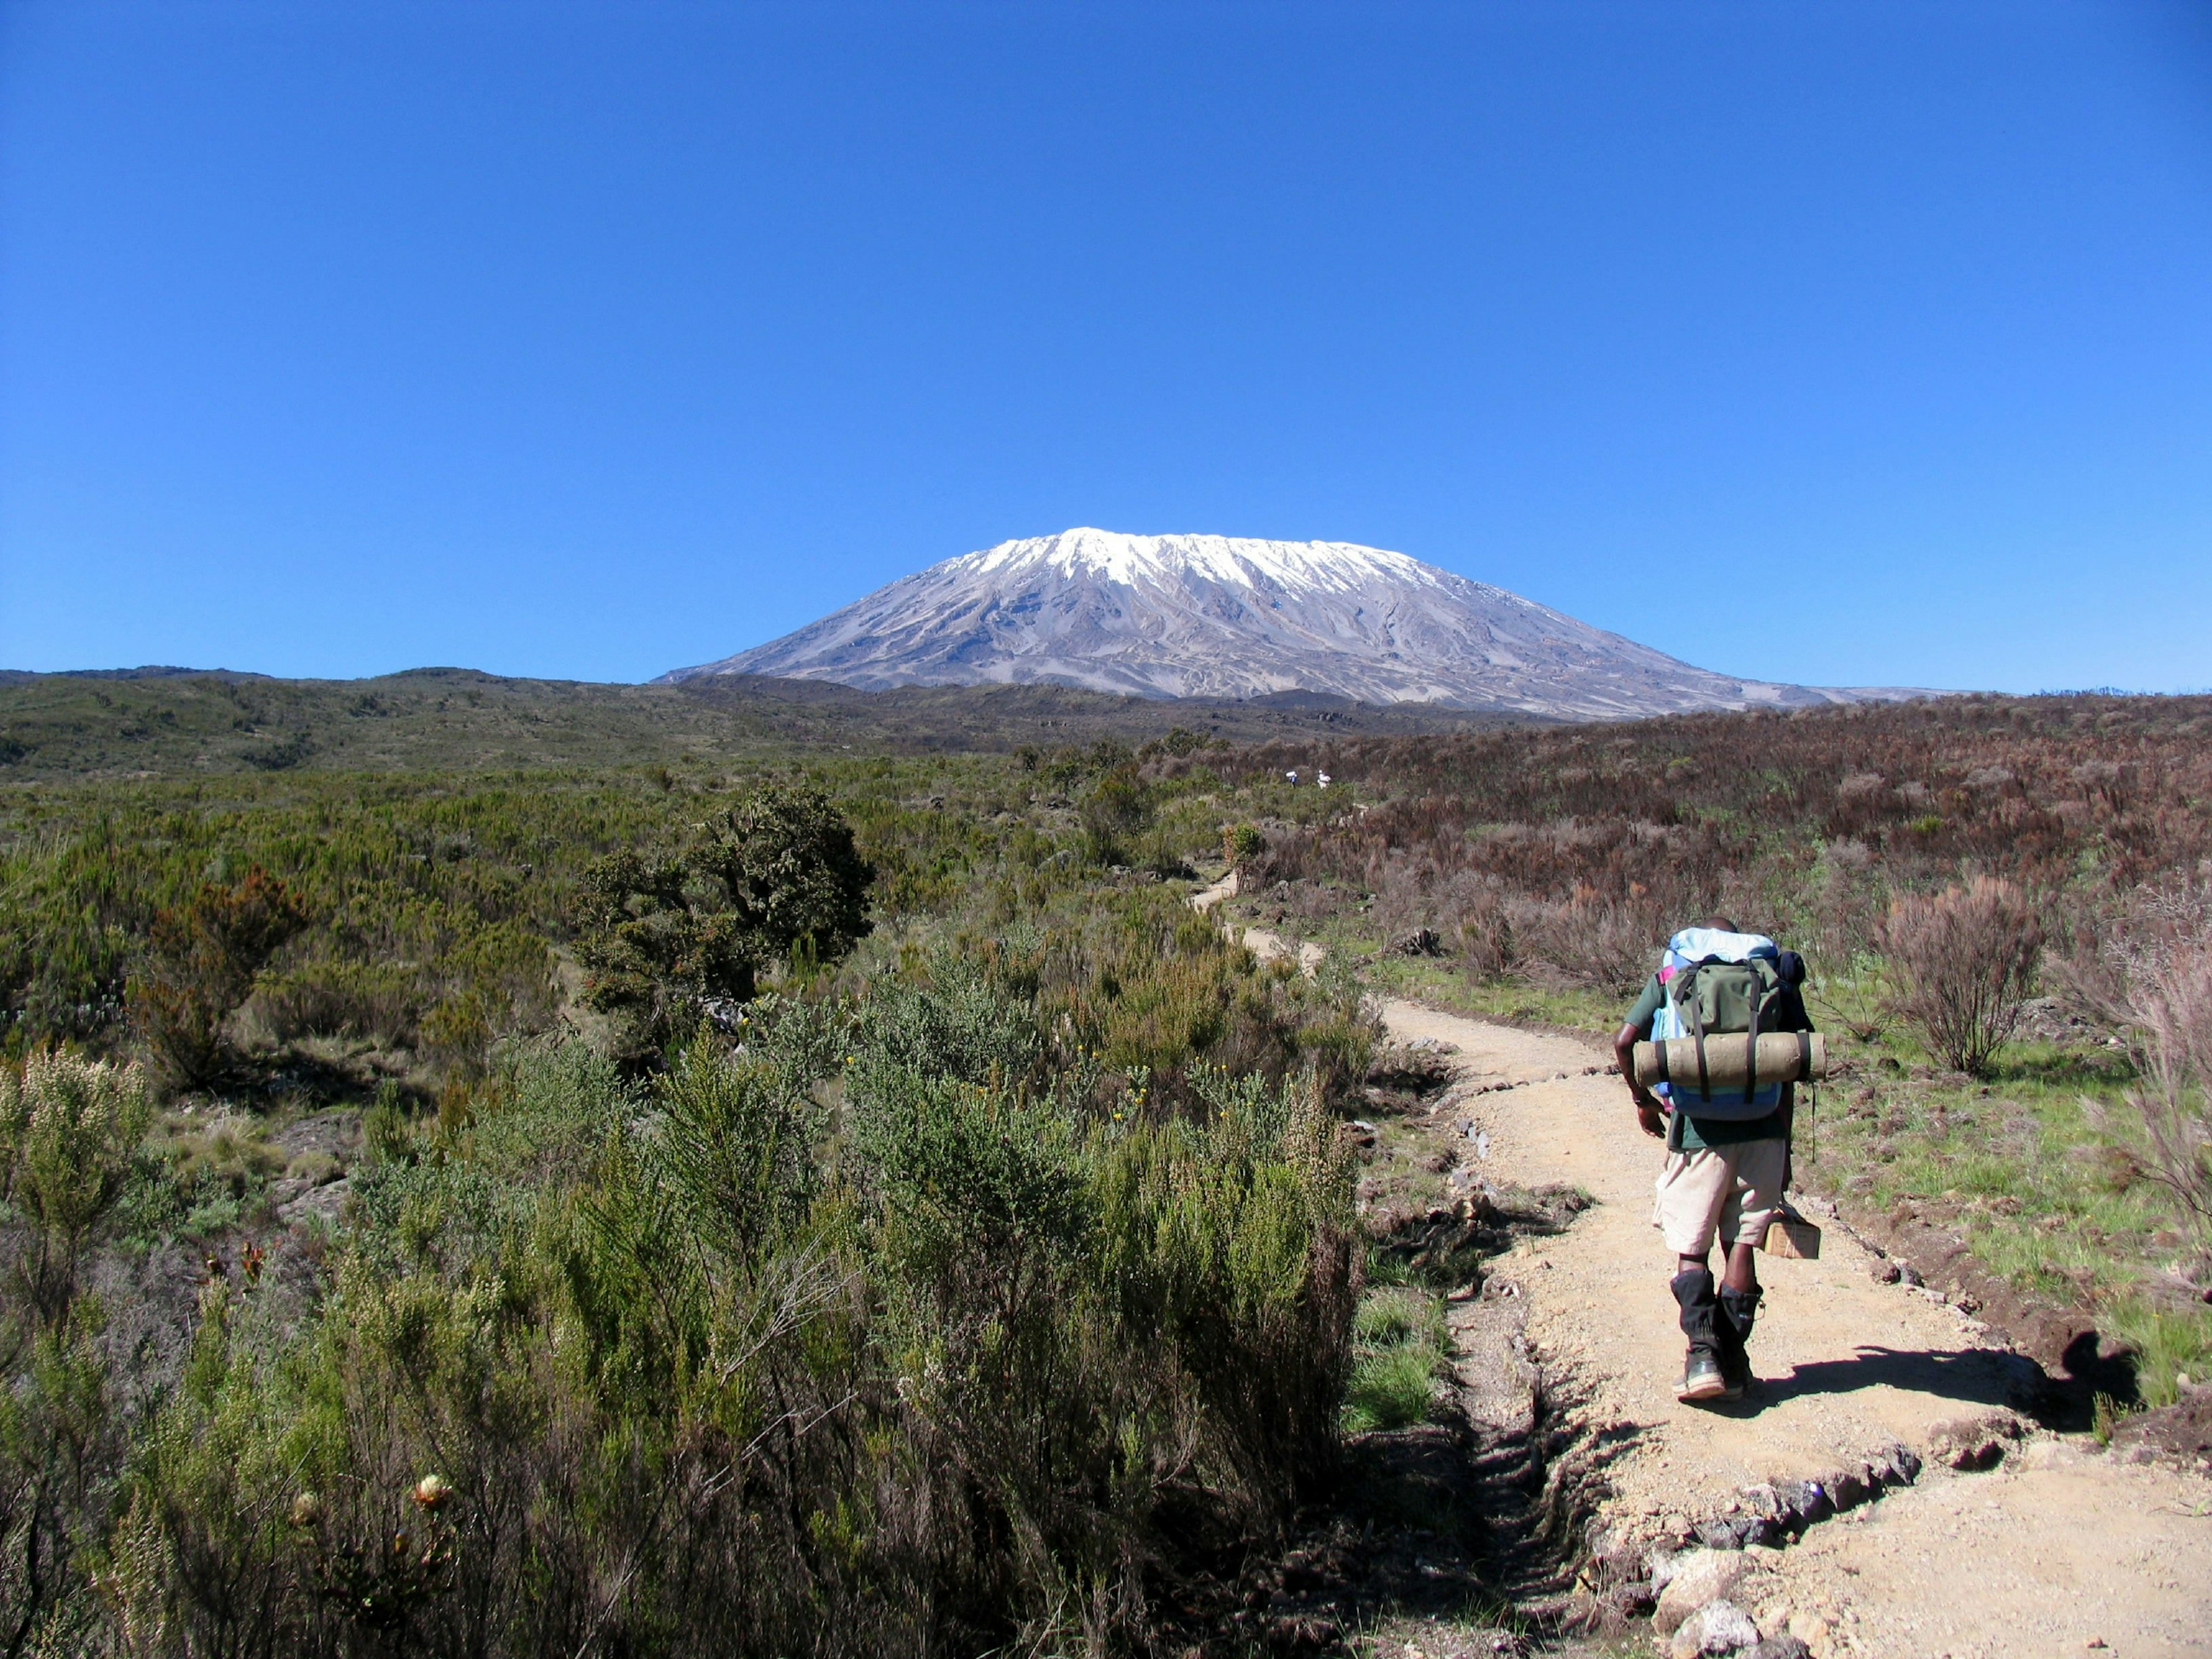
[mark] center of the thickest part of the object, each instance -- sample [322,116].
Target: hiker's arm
[1650,1114]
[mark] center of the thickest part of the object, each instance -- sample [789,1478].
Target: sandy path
[1849,1365]
[2060,1551]
[2058,1548]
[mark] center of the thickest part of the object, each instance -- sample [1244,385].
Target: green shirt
[1694,1134]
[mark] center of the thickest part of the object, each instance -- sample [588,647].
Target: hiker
[1727,1154]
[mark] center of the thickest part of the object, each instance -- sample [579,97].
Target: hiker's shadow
[1973,1376]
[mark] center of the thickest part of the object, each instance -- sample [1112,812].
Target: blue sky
[1860,343]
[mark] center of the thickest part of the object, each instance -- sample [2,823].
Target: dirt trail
[2061,1550]
[2058,1549]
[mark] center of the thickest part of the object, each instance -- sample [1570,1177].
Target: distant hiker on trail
[1728,1142]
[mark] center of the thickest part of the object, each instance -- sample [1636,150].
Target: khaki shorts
[1728,1190]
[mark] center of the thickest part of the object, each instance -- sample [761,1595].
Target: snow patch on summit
[1244,561]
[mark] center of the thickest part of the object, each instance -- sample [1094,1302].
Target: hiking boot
[1701,1377]
[1738,1309]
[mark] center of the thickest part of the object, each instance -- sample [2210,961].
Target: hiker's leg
[1692,1189]
[1754,1189]
[1743,1271]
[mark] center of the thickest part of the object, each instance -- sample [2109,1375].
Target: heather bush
[1116,810]
[1967,959]
[871,1333]
[2151,979]
[201,959]
[667,934]
[1561,857]
[2170,1003]
[69,1132]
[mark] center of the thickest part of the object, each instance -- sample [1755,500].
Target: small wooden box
[1791,1235]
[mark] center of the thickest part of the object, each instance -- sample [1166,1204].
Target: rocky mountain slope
[1225,616]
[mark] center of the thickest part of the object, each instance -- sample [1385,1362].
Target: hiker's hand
[1651,1120]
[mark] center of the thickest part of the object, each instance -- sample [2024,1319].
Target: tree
[664,934]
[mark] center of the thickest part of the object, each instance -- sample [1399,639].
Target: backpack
[1712,984]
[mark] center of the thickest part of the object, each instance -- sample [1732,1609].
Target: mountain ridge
[1201,616]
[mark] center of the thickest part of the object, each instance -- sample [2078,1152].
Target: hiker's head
[1722,923]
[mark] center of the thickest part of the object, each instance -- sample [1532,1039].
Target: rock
[1719,1627]
[335,1134]
[324,1204]
[1894,1466]
[1971,1444]
[1698,1577]
[1885,1272]
[1813,1631]
[1805,1502]
[1784,1646]
[1735,1532]
[1762,1499]
[1849,1488]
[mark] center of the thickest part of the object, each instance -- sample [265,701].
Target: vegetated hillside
[439,719]
[1233,616]
[1568,852]
[1024,1221]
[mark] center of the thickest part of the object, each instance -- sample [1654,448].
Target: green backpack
[1733,986]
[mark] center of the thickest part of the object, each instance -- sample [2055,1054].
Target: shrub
[69,1130]
[1118,808]
[200,963]
[713,1367]
[665,934]
[1966,957]
[2168,1012]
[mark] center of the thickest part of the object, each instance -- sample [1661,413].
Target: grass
[1399,1347]
[2168,1345]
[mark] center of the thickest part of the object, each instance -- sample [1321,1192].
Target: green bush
[868,1334]
[663,934]
[69,1132]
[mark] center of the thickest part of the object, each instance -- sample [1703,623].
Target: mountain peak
[1240,561]
[1201,616]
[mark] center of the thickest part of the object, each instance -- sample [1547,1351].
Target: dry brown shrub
[2153,981]
[199,965]
[1966,957]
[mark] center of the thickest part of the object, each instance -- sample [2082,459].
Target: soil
[1949,1439]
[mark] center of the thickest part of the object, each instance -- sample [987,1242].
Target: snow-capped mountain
[1225,617]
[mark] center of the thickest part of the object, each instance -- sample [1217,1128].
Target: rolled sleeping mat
[1783,1057]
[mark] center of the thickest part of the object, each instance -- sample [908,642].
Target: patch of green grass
[1392,1388]
[2168,1345]
[2041,1168]
[1399,1347]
